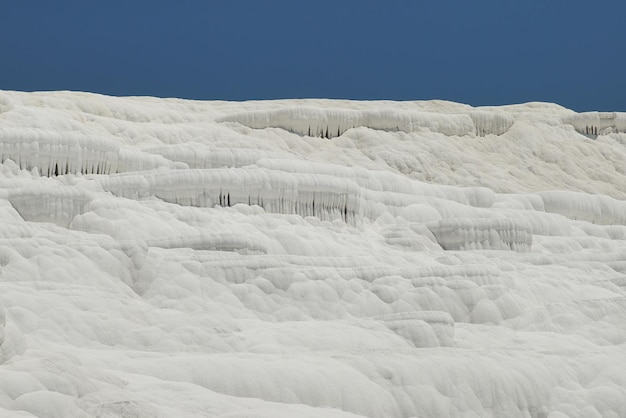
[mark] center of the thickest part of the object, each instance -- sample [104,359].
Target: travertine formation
[164,257]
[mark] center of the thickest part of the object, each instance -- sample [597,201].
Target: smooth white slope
[180,258]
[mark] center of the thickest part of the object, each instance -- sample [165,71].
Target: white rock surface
[333,122]
[163,257]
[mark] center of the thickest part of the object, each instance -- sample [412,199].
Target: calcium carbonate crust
[165,257]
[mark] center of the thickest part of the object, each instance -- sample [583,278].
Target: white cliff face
[309,258]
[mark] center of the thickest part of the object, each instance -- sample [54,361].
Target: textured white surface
[309,258]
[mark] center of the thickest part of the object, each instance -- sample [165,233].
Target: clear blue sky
[478,52]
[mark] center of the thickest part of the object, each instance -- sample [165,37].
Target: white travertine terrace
[164,257]
[594,123]
[481,234]
[330,123]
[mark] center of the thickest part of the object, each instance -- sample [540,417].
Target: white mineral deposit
[310,258]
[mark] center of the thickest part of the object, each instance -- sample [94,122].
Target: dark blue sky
[478,52]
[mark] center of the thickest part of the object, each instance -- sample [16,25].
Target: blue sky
[477,52]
